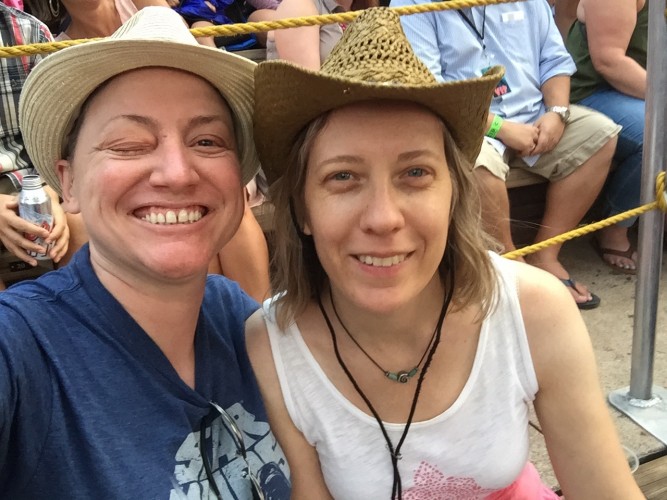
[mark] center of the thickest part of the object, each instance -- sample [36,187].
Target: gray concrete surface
[611,329]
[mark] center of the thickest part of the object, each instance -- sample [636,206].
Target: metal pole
[644,402]
[651,224]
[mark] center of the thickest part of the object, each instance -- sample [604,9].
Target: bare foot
[614,248]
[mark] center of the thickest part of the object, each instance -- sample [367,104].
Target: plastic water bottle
[35,207]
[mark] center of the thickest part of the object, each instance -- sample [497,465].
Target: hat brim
[289,97]
[60,84]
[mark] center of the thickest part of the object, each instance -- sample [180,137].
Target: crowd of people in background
[385,258]
[608,47]
[608,42]
[531,124]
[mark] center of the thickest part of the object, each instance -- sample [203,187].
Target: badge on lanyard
[502,88]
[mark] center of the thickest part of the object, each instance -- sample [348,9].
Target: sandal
[627,254]
[592,303]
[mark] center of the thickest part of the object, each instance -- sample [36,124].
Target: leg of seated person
[245,259]
[204,40]
[621,193]
[622,189]
[261,15]
[577,168]
[491,172]
[495,207]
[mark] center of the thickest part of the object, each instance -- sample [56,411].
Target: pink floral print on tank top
[429,483]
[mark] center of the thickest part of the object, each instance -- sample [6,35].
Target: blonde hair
[298,272]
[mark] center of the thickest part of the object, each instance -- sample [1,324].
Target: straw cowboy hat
[154,37]
[372,61]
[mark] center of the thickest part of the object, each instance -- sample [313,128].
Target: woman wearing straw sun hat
[124,374]
[245,257]
[400,357]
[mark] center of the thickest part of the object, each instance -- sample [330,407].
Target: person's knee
[608,149]
[492,188]
[599,163]
[487,179]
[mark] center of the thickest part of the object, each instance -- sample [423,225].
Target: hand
[173,3]
[551,129]
[521,137]
[12,229]
[59,234]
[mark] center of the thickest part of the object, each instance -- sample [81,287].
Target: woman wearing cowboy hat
[124,374]
[401,357]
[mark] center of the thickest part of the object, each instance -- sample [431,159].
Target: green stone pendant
[402,376]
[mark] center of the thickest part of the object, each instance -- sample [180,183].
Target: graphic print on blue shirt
[228,468]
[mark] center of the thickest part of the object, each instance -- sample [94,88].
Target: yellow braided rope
[41,48]
[344,17]
[661,203]
[258,27]
[347,17]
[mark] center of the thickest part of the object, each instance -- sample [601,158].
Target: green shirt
[587,80]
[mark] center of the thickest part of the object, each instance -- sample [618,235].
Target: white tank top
[477,446]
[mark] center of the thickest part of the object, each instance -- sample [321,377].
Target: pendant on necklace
[401,376]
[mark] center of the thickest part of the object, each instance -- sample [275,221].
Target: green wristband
[495,127]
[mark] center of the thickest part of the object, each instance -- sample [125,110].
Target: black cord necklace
[395,452]
[401,376]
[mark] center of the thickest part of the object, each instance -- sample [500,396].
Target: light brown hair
[298,272]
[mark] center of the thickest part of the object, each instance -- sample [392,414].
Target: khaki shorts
[585,133]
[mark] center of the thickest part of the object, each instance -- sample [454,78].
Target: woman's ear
[306,229]
[66,176]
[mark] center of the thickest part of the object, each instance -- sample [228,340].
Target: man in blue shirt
[531,124]
[125,374]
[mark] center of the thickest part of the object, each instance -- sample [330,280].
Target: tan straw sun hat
[154,37]
[372,61]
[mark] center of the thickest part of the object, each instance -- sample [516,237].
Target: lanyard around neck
[470,21]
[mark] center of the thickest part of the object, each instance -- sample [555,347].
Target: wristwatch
[562,111]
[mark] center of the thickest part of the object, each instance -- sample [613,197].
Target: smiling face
[155,175]
[377,200]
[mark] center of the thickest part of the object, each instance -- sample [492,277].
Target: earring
[54,7]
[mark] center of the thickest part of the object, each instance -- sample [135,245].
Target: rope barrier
[260,27]
[347,17]
[344,17]
[660,203]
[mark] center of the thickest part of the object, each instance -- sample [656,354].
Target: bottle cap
[32,182]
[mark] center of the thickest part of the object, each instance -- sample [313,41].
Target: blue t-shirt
[91,408]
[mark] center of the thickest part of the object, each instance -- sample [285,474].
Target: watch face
[561,111]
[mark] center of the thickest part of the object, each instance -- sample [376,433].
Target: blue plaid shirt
[16,28]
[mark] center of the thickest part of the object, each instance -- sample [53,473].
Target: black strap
[395,452]
[204,455]
[470,21]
